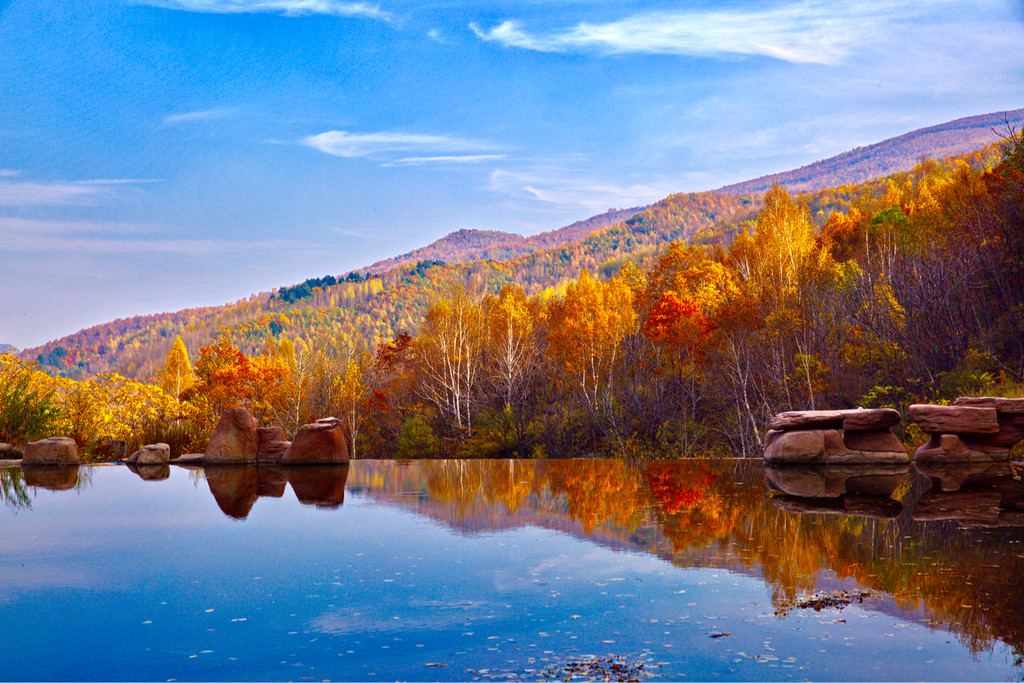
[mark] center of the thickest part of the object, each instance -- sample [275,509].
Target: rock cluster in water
[237,440]
[973,429]
[835,437]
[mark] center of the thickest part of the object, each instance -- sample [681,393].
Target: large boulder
[963,420]
[57,450]
[802,446]
[322,442]
[152,454]
[234,439]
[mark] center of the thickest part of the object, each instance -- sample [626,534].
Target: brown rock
[153,454]
[955,419]
[10,452]
[805,446]
[873,441]
[57,450]
[234,440]
[190,459]
[952,448]
[268,435]
[770,437]
[838,453]
[870,420]
[1006,406]
[52,477]
[273,451]
[322,486]
[322,442]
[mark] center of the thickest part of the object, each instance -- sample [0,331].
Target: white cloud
[344,144]
[465,159]
[570,191]
[286,7]
[801,32]
[49,194]
[62,193]
[199,116]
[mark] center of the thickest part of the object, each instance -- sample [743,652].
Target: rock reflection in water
[151,472]
[319,485]
[56,478]
[972,494]
[236,488]
[858,490]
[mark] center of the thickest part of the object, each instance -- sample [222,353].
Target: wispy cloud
[63,193]
[802,32]
[344,144]
[564,190]
[465,159]
[200,116]
[286,7]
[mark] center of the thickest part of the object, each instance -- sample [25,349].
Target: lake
[508,570]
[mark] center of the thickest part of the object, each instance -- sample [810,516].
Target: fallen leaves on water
[831,600]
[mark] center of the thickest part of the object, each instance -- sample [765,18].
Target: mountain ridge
[478,245]
[892,155]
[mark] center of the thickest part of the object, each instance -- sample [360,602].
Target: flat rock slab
[872,419]
[1006,406]
[189,459]
[955,419]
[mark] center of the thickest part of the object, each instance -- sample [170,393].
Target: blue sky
[161,154]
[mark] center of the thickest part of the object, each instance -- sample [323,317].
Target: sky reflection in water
[500,569]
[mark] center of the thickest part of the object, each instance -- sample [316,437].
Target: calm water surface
[428,570]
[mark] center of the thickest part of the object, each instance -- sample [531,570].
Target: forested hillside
[890,156]
[354,312]
[493,245]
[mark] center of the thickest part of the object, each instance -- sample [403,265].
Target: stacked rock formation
[981,429]
[237,440]
[835,437]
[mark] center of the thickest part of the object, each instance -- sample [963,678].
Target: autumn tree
[587,328]
[177,375]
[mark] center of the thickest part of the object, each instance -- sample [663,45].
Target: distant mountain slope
[6,347]
[480,245]
[889,156]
